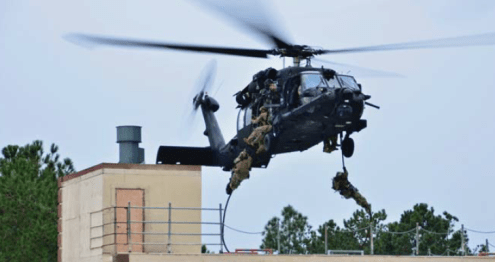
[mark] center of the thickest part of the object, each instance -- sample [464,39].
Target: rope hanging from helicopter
[223,222]
[342,152]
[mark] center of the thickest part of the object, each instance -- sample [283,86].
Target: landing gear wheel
[348,147]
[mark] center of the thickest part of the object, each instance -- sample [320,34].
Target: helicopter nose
[347,94]
[351,107]
[344,111]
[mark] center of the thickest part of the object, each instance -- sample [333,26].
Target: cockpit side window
[349,82]
[313,81]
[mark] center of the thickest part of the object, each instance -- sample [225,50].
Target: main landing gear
[347,146]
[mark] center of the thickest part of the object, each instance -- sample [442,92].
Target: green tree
[295,233]
[204,249]
[337,238]
[28,202]
[433,237]
[360,225]
[480,248]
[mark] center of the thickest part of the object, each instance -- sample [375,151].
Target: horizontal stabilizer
[200,156]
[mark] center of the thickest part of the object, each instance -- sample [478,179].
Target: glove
[228,190]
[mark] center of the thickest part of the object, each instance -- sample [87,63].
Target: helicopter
[311,104]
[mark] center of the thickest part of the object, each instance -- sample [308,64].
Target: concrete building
[95,223]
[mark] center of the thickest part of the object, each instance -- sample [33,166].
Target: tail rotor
[203,86]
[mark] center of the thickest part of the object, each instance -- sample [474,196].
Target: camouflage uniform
[330,144]
[274,92]
[256,138]
[347,190]
[240,171]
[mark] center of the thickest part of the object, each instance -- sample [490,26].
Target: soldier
[273,91]
[259,141]
[256,138]
[347,190]
[330,144]
[361,201]
[262,119]
[240,171]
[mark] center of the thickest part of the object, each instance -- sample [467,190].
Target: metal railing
[114,232]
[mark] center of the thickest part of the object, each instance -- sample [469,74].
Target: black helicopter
[311,103]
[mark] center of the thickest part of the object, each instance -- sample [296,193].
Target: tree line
[420,227]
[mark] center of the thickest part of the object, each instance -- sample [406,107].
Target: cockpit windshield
[349,82]
[313,80]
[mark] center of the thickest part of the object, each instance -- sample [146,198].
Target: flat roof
[128,166]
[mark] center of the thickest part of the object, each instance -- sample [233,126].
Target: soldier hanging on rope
[240,171]
[347,190]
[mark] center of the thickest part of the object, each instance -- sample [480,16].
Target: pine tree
[295,233]
[28,202]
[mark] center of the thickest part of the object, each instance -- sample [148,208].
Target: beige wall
[88,197]
[298,258]
[80,197]
[181,187]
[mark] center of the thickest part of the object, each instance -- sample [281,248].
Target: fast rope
[223,222]
[343,164]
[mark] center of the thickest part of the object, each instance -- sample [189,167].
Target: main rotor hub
[299,51]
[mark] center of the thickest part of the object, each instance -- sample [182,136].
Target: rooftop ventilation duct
[128,138]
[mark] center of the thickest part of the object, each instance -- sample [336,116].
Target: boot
[329,148]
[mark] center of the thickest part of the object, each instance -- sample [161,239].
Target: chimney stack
[128,138]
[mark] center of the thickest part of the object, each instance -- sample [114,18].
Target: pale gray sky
[431,141]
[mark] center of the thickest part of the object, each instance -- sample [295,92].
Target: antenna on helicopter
[308,61]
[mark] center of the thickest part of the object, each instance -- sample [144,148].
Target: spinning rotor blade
[203,85]
[205,80]
[188,125]
[84,40]
[356,70]
[251,14]
[472,40]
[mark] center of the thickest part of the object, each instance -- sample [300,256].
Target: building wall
[87,215]
[80,197]
[162,184]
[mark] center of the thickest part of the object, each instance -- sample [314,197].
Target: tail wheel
[348,147]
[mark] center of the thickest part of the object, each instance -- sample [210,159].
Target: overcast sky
[430,142]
